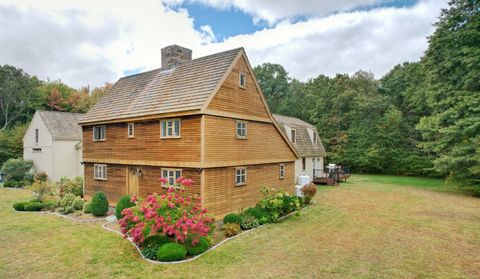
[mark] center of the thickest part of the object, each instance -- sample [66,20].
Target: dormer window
[242,79]
[314,137]
[293,135]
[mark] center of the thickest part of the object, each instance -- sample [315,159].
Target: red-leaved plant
[174,214]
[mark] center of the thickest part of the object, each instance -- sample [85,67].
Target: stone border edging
[210,249]
[63,216]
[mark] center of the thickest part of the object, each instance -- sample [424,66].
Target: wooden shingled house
[204,119]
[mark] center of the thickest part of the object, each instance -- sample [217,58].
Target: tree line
[21,95]
[421,118]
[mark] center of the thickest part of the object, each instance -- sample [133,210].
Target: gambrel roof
[62,125]
[183,88]
[303,143]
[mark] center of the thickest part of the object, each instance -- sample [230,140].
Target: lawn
[370,227]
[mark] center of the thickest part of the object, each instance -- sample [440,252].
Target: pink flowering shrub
[174,214]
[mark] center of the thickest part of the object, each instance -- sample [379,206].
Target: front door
[132,181]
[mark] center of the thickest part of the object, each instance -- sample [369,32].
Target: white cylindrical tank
[303,179]
[298,191]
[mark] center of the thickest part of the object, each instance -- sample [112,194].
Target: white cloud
[374,40]
[91,42]
[273,11]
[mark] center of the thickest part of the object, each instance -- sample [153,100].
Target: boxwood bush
[33,206]
[124,202]
[198,248]
[232,218]
[99,204]
[171,252]
[151,245]
[19,206]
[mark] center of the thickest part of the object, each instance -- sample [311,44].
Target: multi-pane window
[98,133]
[314,137]
[131,130]
[240,176]
[36,135]
[282,171]
[100,172]
[241,129]
[171,175]
[293,135]
[170,128]
[242,79]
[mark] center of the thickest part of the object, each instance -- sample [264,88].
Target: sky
[90,42]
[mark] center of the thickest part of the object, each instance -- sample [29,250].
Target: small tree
[99,204]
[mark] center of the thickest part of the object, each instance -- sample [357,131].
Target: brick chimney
[175,55]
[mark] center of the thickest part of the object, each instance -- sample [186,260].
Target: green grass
[370,227]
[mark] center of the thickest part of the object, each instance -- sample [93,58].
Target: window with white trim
[171,175]
[240,176]
[170,128]
[282,171]
[241,127]
[314,137]
[293,135]
[99,133]
[100,172]
[131,130]
[242,80]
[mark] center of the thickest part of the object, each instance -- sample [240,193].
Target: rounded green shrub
[171,252]
[156,240]
[123,203]
[33,206]
[259,213]
[19,206]
[232,218]
[67,200]
[86,207]
[78,203]
[198,248]
[99,204]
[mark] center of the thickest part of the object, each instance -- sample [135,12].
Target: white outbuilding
[53,142]
[305,139]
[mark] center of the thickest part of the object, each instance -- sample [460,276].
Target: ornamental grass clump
[173,214]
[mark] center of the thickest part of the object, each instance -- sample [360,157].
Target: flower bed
[172,227]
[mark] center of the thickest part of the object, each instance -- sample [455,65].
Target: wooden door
[132,181]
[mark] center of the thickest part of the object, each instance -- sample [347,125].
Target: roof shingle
[186,87]
[62,125]
[303,143]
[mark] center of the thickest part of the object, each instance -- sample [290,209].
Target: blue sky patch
[225,23]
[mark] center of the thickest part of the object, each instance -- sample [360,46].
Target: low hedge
[33,206]
[171,252]
[19,206]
